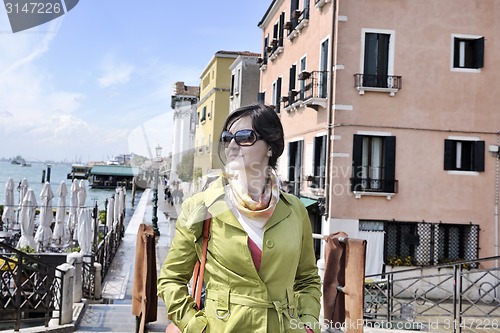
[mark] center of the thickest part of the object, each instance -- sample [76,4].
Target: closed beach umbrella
[85,231]
[82,194]
[27,220]
[73,213]
[61,231]
[9,215]
[44,233]
[23,189]
[110,211]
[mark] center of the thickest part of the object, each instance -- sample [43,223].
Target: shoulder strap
[199,268]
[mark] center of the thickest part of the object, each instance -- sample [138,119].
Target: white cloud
[114,72]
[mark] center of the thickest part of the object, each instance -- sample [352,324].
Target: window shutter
[370,64]
[383,54]
[293,74]
[479,156]
[316,156]
[282,28]
[291,161]
[456,53]
[479,53]
[278,95]
[449,147]
[357,155]
[390,164]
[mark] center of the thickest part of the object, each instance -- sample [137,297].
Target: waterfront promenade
[114,312]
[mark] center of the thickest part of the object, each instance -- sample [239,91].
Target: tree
[185,167]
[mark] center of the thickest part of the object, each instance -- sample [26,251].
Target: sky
[98,81]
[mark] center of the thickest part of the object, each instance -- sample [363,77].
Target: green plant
[27,249]
[73,249]
[401,261]
[102,216]
[454,261]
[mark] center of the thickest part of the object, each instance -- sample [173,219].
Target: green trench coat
[282,297]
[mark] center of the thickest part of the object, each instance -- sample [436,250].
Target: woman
[261,274]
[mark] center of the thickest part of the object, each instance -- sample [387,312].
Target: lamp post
[156,167]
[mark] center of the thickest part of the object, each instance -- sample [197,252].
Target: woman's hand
[308,330]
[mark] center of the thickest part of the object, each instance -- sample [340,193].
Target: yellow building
[213,109]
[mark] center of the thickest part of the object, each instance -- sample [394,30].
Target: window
[468,51]
[424,243]
[374,162]
[291,84]
[323,78]
[261,97]
[203,115]
[231,90]
[376,60]
[237,82]
[277,100]
[303,63]
[319,163]
[464,155]
[295,165]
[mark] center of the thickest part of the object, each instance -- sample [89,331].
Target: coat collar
[217,205]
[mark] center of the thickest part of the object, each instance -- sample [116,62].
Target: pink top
[256,253]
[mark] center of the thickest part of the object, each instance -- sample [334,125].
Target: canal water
[58,173]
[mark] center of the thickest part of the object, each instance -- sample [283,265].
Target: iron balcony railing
[297,18]
[374,185]
[312,87]
[392,82]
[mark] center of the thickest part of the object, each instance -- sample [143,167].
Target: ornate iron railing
[449,297]
[104,254]
[30,291]
[377,81]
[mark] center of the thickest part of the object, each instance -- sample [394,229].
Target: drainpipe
[497,157]
[496,199]
[330,110]
[321,261]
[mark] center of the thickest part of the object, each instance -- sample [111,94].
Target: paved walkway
[114,312]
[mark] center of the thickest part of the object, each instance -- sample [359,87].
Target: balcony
[374,187]
[262,63]
[313,90]
[378,83]
[320,3]
[300,20]
[275,49]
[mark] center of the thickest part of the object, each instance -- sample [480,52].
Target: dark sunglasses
[243,138]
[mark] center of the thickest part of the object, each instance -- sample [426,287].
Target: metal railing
[374,185]
[104,254]
[30,291]
[377,81]
[442,298]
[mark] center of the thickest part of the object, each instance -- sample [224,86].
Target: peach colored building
[401,96]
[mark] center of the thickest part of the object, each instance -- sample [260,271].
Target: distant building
[184,105]
[213,108]
[245,76]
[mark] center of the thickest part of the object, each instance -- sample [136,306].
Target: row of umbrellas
[44,234]
[78,226]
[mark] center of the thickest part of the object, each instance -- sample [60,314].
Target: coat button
[269,243]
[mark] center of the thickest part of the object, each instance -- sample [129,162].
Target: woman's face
[251,158]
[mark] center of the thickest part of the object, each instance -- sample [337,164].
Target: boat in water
[79,171]
[20,161]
